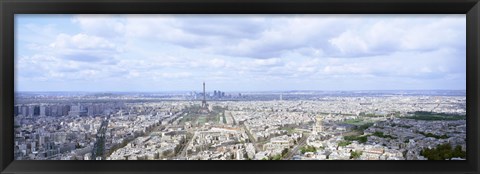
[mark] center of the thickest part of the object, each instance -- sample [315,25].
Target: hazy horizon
[409,90]
[163,53]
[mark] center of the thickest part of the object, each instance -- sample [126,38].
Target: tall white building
[42,110]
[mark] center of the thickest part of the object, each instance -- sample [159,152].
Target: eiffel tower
[204,101]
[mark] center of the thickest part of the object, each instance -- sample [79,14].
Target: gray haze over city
[240,87]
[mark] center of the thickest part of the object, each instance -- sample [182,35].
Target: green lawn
[202,120]
[356,122]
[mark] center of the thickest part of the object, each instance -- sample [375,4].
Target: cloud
[176,75]
[35,33]
[82,57]
[291,52]
[83,47]
[272,36]
[82,41]
[227,26]
[388,36]
[109,26]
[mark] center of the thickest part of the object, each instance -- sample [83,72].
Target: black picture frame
[8,8]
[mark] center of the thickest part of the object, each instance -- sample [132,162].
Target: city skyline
[130,53]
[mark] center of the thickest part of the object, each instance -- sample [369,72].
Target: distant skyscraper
[48,111]
[36,110]
[25,110]
[31,110]
[43,110]
[54,111]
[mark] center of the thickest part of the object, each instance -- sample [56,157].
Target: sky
[153,53]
